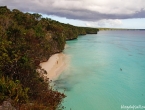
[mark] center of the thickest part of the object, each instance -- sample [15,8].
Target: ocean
[106,71]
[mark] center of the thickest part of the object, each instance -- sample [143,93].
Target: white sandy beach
[55,65]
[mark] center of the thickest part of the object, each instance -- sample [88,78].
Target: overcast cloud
[87,10]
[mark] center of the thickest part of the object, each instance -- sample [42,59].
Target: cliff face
[26,40]
[29,37]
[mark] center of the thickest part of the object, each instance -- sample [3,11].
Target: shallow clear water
[106,70]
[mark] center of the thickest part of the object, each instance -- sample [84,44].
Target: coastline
[55,65]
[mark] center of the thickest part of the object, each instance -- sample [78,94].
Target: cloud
[105,23]
[115,22]
[87,10]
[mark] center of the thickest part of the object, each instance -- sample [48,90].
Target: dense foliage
[25,41]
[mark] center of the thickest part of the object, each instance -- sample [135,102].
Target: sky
[90,13]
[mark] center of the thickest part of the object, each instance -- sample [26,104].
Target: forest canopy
[25,41]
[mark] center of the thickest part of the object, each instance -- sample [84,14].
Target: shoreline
[55,65]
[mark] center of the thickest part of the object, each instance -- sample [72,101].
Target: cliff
[26,40]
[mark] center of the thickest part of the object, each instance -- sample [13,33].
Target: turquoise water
[106,70]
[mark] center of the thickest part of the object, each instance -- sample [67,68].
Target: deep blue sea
[106,71]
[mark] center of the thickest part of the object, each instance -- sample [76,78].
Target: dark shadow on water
[65,83]
[129,55]
[140,53]
[62,84]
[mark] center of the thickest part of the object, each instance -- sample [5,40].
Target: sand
[55,65]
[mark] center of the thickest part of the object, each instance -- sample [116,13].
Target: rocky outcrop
[7,106]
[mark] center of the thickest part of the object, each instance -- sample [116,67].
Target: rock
[7,106]
[1,108]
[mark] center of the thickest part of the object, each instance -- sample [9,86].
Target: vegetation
[25,41]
